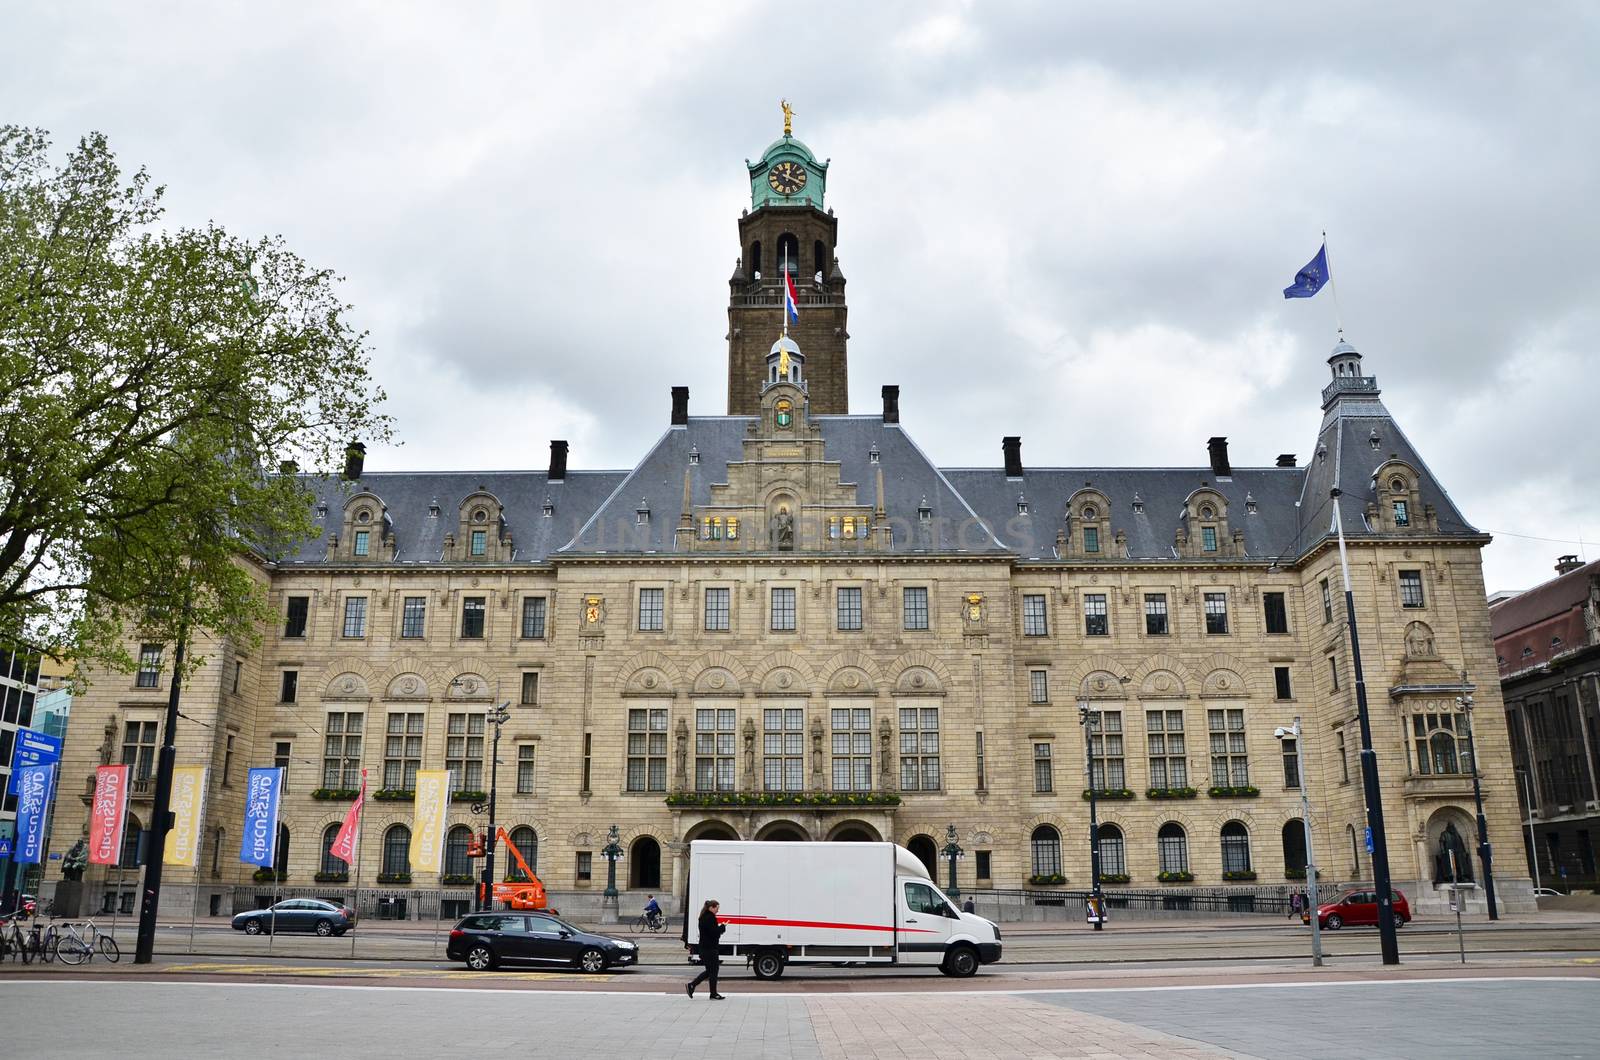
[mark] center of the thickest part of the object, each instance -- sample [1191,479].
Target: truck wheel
[767,965]
[960,962]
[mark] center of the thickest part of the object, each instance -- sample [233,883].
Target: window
[981,857]
[1333,671]
[402,751]
[1113,851]
[1277,612]
[852,748]
[525,762]
[341,750]
[238,671]
[1169,768]
[1216,612]
[1046,842]
[1106,770]
[1402,514]
[290,686]
[1434,736]
[1039,686]
[472,618]
[647,749]
[463,751]
[652,610]
[397,851]
[783,610]
[1294,848]
[1208,538]
[1280,681]
[584,869]
[1327,602]
[1043,771]
[1035,621]
[331,866]
[586,771]
[355,616]
[1230,767]
[849,609]
[981,783]
[139,748]
[413,616]
[294,624]
[1091,539]
[921,898]
[480,542]
[1155,614]
[1094,615]
[360,547]
[227,761]
[1172,846]
[915,605]
[456,842]
[714,739]
[533,618]
[1410,588]
[919,749]
[530,688]
[1291,762]
[1344,757]
[526,842]
[717,607]
[281,757]
[1235,847]
[149,666]
[783,749]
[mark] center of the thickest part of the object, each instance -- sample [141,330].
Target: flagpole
[1333,285]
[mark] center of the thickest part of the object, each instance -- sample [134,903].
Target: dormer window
[1091,539]
[1022,505]
[361,545]
[1402,513]
[1373,439]
[1208,536]
[873,456]
[480,542]
[480,532]
[924,512]
[694,454]
[549,508]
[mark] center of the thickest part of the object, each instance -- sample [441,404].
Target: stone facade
[789,624]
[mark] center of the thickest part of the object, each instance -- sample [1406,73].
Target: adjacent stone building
[787,623]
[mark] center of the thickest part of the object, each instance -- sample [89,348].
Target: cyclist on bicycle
[652,910]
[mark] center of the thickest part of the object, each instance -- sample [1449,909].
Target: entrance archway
[782,832]
[644,864]
[926,851]
[710,830]
[854,832]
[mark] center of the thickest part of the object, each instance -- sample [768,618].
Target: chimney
[355,460]
[1567,564]
[1286,460]
[680,406]
[1219,457]
[1011,445]
[558,461]
[891,404]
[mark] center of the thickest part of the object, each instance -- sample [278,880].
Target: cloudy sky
[1068,222]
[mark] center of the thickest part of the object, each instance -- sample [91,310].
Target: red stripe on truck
[767,921]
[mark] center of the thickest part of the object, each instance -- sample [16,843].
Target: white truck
[832,903]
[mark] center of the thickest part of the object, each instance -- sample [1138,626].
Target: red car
[1360,907]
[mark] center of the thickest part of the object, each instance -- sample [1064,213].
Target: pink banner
[344,844]
[107,814]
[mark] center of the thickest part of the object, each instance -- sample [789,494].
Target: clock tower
[787,229]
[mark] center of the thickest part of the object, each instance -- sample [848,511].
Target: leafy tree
[153,385]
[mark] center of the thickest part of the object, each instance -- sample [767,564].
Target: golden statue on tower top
[788,117]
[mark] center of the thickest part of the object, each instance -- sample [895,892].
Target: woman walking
[709,948]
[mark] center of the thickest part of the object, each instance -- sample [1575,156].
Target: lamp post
[1293,733]
[1533,849]
[952,851]
[1089,719]
[496,717]
[1484,857]
[1388,941]
[612,852]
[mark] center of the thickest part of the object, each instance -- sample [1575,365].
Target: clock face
[787,178]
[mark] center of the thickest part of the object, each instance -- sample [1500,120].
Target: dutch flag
[791,299]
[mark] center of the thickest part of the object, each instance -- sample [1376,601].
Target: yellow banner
[188,816]
[427,827]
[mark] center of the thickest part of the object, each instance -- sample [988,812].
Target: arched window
[755,260]
[397,851]
[456,862]
[1235,847]
[819,255]
[788,253]
[130,843]
[526,840]
[1113,852]
[330,865]
[927,852]
[644,864]
[1173,847]
[1355,852]
[1046,851]
[1294,849]
[1434,737]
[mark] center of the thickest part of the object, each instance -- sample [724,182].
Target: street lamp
[1293,733]
[612,852]
[1090,720]
[952,851]
[496,717]
[1533,849]
[1465,701]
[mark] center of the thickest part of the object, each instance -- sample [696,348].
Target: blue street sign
[33,749]
[1369,839]
[5,847]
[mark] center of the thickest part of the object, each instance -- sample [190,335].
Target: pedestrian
[969,906]
[710,949]
[1297,902]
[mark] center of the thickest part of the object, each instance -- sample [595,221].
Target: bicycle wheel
[108,948]
[639,925]
[47,945]
[25,950]
[72,950]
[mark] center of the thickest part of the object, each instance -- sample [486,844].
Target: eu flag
[1309,280]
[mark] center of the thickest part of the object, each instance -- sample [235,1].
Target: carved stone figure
[1419,642]
[681,753]
[816,749]
[783,530]
[1452,861]
[75,861]
[750,750]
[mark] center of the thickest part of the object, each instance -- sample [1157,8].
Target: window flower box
[1239,875]
[395,795]
[266,875]
[469,796]
[1109,793]
[1047,879]
[783,798]
[457,879]
[1114,877]
[334,793]
[1175,877]
[394,877]
[332,877]
[1243,791]
[1171,793]
[1294,874]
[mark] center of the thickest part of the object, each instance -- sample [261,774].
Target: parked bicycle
[13,943]
[75,947]
[644,923]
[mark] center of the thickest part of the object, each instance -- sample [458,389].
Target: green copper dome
[787,174]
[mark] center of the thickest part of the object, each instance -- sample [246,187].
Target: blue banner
[34,786]
[263,789]
[32,749]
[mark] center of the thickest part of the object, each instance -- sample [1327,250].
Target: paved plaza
[1454,1018]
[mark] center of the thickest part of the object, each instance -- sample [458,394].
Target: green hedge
[782,798]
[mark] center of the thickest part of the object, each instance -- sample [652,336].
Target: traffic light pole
[161,813]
